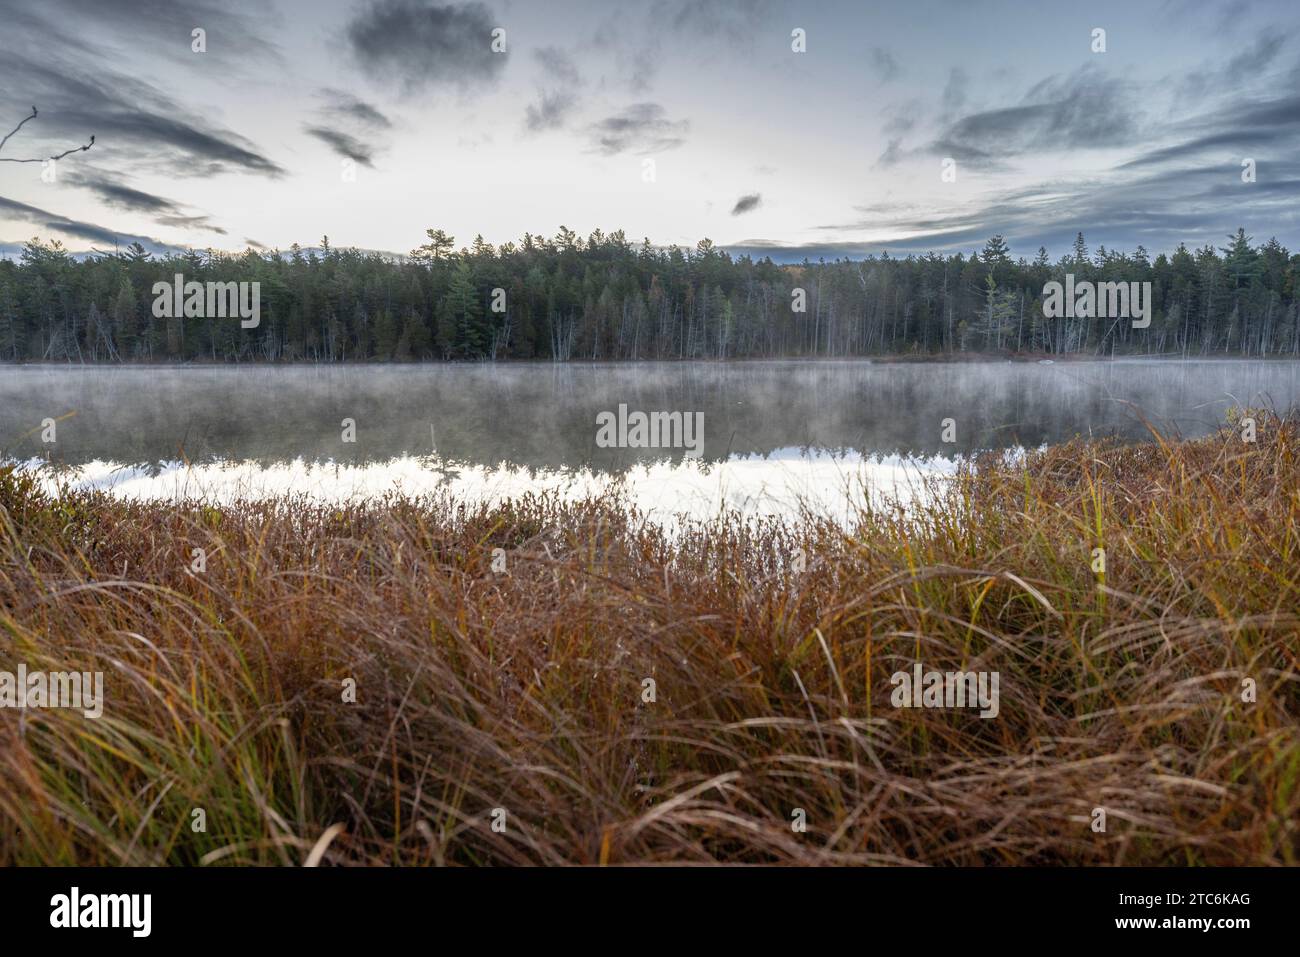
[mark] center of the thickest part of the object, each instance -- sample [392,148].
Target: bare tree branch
[32,116]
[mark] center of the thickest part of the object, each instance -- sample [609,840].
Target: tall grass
[770,645]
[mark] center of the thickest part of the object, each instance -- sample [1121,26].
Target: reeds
[526,690]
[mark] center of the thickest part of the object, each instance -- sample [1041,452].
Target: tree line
[604,297]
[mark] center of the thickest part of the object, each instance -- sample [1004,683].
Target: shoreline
[884,359]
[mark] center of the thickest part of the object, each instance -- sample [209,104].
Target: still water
[776,435]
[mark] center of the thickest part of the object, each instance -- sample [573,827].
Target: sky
[371,121]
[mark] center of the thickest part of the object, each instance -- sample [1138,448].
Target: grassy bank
[770,648]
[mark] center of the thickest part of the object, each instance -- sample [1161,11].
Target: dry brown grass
[523,691]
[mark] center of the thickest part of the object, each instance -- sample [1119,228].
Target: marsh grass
[523,691]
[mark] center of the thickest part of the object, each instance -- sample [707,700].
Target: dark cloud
[1084,110]
[550,110]
[1256,57]
[1240,128]
[1159,209]
[80,92]
[1185,187]
[198,221]
[557,96]
[557,66]
[747,203]
[350,109]
[349,126]
[236,29]
[78,97]
[343,144]
[419,45]
[80,230]
[641,128]
[165,212]
[125,197]
[892,154]
[639,44]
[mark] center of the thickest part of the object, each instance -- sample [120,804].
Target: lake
[774,434]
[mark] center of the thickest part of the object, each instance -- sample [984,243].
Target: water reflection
[773,431]
[779,484]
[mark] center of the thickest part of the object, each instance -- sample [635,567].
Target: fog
[544,416]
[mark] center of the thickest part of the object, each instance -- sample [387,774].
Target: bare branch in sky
[32,116]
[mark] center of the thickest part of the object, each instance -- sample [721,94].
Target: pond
[771,435]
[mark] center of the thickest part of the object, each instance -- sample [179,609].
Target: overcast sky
[836,150]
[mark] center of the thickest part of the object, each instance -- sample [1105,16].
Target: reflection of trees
[544,416]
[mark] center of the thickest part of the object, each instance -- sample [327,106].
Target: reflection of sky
[779,485]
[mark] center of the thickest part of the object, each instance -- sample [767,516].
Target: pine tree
[386,334]
[466,314]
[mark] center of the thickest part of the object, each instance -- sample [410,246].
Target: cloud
[1183,186]
[198,221]
[1223,16]
[1255,57]
[747,203]
[884,64]
[550,110]
[639,45]
[163,27]
[640,128]
[953,99]
[737,19]
[79,96]
[557,66]
[420,46]
[1238,128]
[557,97]
[165,212]
[349,126]
[901,122]
[892,154]
[120,196]
[1084,110]
[79,229]
[343,144]
[1159,209]
[348,108]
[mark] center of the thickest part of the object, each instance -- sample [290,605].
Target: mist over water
[774,432]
